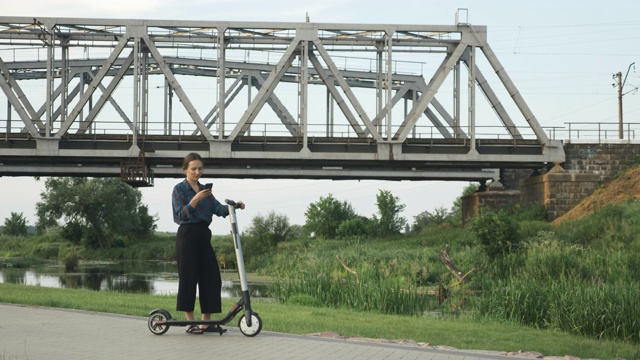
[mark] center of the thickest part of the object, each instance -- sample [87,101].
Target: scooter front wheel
[254,329]
[157,322]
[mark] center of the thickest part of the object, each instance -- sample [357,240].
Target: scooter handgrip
[232,203]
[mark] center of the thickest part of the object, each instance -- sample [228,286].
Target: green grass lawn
[461,332]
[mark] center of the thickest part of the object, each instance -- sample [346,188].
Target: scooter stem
[240,259]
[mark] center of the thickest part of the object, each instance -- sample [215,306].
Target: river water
[137,277]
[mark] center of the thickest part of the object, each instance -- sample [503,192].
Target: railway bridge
[129,98]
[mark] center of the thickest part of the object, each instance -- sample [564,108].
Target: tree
[73,231]
[266,232]
[325,216]
[16,225]
[425,219]
[107,209]
[456,210]
[389,208]
[496,232]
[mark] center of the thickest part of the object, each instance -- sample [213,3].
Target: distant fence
[594,131]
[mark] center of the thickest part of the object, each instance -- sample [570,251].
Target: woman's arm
[182,207]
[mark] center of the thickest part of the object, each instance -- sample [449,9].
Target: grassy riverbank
[556,288]
[459,332]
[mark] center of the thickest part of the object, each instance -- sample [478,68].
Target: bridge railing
[269,129]
[594,131]
[587,131]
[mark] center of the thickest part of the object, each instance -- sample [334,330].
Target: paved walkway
[35,333]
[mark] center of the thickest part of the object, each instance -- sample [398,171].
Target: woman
[193,209]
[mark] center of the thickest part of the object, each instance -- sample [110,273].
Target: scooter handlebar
[232,203]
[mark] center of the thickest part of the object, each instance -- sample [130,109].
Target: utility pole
[620,130]
[621,83]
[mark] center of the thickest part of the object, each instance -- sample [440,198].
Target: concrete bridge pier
[557,189]
[561,187]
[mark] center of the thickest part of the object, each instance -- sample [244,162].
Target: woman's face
[194,170]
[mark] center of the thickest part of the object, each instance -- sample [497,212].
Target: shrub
[534,212]
[496,232]
[16,225]
[529,229]
[439,216]
[46,251]
[272,229]
[356,226]
[325,216]
[69,258]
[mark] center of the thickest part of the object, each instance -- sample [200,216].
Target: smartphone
[208,186]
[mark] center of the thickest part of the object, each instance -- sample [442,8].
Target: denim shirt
[184,213]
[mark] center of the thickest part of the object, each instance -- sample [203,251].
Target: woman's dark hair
[189,158]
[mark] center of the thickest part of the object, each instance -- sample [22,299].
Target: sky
[562,56]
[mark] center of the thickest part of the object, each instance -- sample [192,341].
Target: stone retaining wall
[558,189]
[604,160]
[562,187]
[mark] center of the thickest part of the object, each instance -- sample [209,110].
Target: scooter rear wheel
[254,329]
[156,323]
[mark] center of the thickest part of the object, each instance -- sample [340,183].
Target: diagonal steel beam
[399,95]
[329,82]
[346,89]
[177,88]
[434,84]
[444,114]
[106,96]
[267,89]
[58,110]
[437,123]
[229,95]
[20,95]
[61,87]
[13,99]
[442,129]
[43,108]
[447,117]
[496,105]
[92,87]
[515,94]
[278,107]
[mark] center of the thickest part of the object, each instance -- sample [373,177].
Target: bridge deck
[260,99]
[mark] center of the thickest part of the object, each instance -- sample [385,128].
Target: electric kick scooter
[250,323]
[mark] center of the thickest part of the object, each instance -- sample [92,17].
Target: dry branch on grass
[462,279]
[344,265]
[446,260]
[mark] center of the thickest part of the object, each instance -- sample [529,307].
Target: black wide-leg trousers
[197,268]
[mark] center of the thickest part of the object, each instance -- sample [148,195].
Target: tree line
[93,212]
[105,212]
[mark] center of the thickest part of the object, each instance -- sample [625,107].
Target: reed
[568,288]
[386,277]
[371,289]
[605,311]
[550,283]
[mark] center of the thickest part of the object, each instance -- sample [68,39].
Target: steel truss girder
[313,47]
